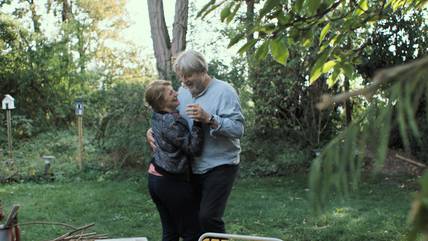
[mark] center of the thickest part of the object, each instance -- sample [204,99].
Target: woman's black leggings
[177,206]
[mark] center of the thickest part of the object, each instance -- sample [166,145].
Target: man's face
[195,83]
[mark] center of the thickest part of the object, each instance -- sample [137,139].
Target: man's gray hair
[190,62]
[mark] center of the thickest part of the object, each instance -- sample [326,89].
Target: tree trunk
[249,23]
[34,17]
[162,46]
[66,10]
[348,104]
[179,29]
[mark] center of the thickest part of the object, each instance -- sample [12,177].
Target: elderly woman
[169,170]
[215,104]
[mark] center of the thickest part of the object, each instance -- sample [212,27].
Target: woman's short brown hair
[155,94]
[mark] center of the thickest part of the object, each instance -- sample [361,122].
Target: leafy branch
[382,78]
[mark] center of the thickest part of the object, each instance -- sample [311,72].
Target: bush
[62,144]
[122,130]
[270,156]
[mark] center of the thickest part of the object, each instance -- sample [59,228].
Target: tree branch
[383,77]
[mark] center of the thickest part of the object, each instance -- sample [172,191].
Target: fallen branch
[71,233]
[50,223]
[419,164]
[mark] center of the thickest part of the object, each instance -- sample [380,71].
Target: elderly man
[215,103]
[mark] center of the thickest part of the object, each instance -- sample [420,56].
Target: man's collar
[212,79]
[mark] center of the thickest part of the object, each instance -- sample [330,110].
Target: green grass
[274,207]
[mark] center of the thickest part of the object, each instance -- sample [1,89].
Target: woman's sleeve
[190,142]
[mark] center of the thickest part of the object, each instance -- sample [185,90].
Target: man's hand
[197,113]
[151,139]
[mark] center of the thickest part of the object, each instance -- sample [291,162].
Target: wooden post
[80,141]
[9,133]
[79,114]
[8,104]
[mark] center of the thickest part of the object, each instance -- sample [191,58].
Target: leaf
[283,19]
[308,39]
[396,5]
[384,132]
[362,7]
[348,70]
[279,50]
[267,28]
[213,7]
[328,66]
[317,68]
[262,51]
[313,6]
[407,100]
[396,93]
[297,7]
[324,32]
[235,39]
[315,74]
[225,12]
[332,79]
[247,46]
[307,43]
[232,15]
[268,6]
[205,7]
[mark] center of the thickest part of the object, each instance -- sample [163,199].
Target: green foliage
[41,77]
[284,105]
[386,48]
[122,131]
[418,214]
[269,155]
[46,73]
[327,25]
[62,144]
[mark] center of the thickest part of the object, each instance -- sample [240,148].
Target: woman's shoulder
[173,120]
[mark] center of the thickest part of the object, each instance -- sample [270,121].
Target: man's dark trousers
[213,189]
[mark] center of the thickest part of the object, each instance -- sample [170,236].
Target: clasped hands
[193,111]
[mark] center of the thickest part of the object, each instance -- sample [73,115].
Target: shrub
[271,156]
[121,131]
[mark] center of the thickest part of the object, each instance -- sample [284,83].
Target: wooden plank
[11,216]
[124,239]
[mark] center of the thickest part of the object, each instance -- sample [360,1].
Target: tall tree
[164,49]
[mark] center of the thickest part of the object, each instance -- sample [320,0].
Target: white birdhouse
[8,103]
[79,107]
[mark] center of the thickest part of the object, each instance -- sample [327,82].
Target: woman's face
[170,99]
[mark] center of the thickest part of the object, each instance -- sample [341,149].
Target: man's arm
[229,120]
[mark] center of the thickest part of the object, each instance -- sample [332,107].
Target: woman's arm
[190,142]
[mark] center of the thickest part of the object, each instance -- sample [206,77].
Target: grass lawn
[274,207]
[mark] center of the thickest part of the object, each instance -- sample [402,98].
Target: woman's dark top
[176,143]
